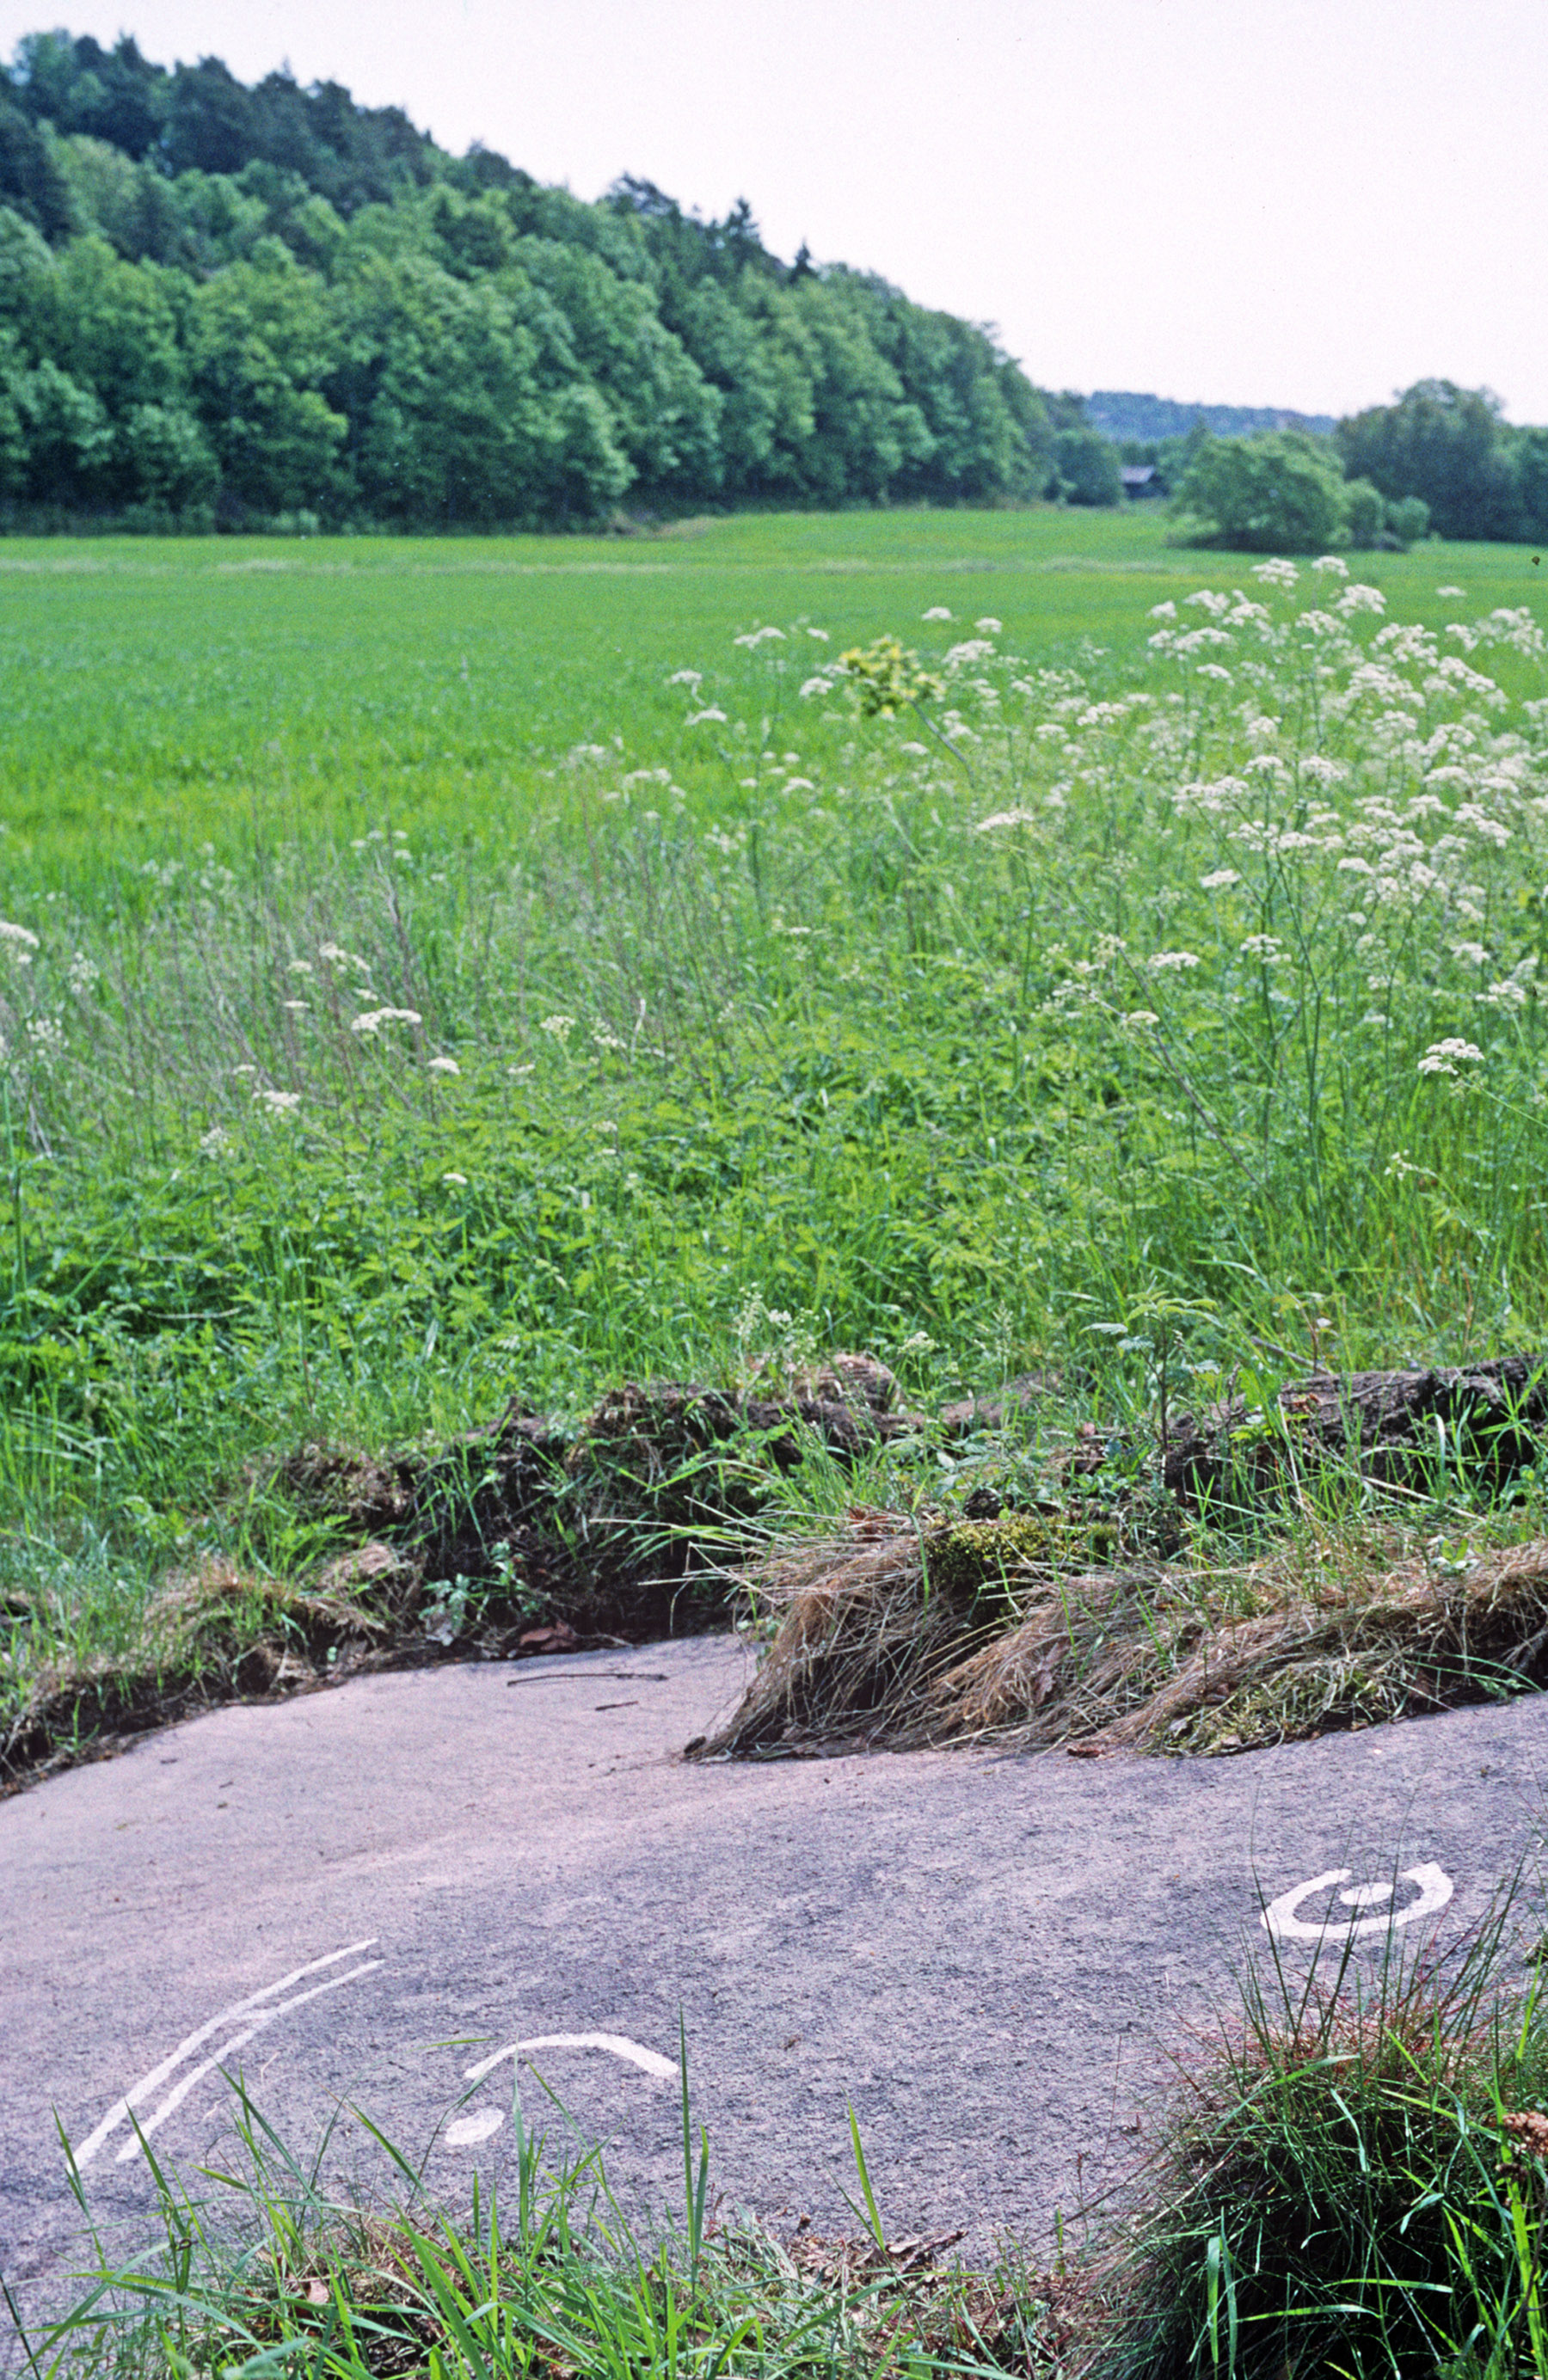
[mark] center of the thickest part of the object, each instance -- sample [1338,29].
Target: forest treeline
[225,305]
[229,306]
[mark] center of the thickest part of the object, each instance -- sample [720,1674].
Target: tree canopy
[230,304]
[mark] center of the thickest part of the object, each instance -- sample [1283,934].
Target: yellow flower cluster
[887,677]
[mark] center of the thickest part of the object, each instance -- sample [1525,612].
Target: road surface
[384,1896]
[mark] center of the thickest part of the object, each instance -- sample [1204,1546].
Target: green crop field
[440,973]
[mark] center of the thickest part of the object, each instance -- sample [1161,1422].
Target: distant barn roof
[1137,474]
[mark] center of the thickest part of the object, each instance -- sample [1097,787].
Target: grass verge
[547,2278]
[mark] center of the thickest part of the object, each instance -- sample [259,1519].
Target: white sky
[1296,202]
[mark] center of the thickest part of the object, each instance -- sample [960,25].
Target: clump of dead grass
[893,1636]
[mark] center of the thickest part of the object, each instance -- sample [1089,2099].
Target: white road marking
[650,2061]
[1435,1889]
[469,2130]
[174,2097]
[254,2006]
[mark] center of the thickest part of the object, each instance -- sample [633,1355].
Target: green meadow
[164,692]
[441,973]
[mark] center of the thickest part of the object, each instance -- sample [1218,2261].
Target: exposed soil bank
[1057,1615]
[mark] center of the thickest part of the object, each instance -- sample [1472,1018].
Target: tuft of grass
[1124,1624]
[1352,2182]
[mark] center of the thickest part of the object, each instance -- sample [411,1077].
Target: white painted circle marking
[469,2130]
[1435,1889]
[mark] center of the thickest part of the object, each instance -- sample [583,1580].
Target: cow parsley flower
[443,1066]
[1438,1058]
[1219,880]
[372,1019]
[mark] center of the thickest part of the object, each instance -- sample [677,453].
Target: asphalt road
[364,1897]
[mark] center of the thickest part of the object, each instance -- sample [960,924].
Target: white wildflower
[277,1103]
[1171,962]
[443,1066]
[1277,573]
[679,677]
[1332,566]
[299,966]
[757,636]
[936,612]
[819,634]
[1454,594]
[372,1019]
[558,1029]
[1360,598]
[1438,1058]
[454,1181]
[19,941]
[1005,817]
[813,685]
[1140,1018]
[297,1007]
[1163,610]
[711,713]
[214,1142]
[990,628]
[47,1038]
[800,785]
[1219,879]
[81,974]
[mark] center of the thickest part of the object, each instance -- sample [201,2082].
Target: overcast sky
[1296,202]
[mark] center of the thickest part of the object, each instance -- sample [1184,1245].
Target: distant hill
[1122,413]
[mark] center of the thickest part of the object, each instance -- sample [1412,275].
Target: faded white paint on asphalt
[398,1895]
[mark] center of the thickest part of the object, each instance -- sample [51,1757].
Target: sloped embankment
[1056,1612]
[525,1538]
[1001,1627]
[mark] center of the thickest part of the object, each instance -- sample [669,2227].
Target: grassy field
[418,993]
[161,694]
